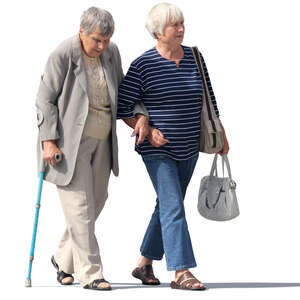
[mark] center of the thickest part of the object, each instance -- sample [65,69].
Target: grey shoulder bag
[217,198]
[211,133]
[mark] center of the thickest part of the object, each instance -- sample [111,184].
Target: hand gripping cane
[57,158]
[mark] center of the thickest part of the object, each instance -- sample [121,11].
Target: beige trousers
[82,201]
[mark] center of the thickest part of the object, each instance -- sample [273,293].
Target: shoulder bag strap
[197,58]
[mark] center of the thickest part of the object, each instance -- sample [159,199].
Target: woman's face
[94,44]
[173,33]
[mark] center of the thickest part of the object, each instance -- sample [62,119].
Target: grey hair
[160,15]
[96,18]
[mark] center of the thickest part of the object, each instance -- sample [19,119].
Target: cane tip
[27,282]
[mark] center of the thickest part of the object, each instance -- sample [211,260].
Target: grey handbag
[217,198]
[211,133]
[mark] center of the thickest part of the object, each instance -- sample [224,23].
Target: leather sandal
[95,285]
[187,281]
[146,275]
[61,274]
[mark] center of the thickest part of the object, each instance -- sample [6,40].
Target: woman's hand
[225,149]
[141,128]
[50,149]
[156,138]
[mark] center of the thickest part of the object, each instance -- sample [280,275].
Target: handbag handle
[214,166]
[226,160]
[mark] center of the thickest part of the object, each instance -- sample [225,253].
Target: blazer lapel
[108,72]
[79,70]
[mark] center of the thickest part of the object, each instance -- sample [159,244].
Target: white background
[252,52]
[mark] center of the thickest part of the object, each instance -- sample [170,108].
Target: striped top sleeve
[131,92]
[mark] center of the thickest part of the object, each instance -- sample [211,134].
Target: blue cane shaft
[37,210]
[58,158]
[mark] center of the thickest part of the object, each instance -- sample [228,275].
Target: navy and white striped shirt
[173,98]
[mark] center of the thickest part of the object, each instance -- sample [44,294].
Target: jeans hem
[150,256]
[181,267]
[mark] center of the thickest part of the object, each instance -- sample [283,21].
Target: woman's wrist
[139,116]
[151,129]
[49,142]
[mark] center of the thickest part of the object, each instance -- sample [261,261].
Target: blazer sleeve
[118,61]
[140,108]
[50,88]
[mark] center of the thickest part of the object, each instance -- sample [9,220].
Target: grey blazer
[62,104]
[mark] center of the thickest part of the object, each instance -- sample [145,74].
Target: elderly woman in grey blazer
[76,109]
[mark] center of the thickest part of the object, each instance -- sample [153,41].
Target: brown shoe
[187,281]
[146,275]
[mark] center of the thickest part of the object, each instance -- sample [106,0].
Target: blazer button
[40,117]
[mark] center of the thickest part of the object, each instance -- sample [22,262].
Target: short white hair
[96,18]
[160,15]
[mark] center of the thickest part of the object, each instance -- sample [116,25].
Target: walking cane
[57,158]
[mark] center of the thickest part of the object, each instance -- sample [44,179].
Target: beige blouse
[98,122]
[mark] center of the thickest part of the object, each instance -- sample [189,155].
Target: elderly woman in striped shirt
[167,80]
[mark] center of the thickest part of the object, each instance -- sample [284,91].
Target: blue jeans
[167,231]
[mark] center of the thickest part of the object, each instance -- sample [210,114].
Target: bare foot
[103,285]
[68,280]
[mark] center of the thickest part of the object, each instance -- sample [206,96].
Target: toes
[152,281]
[103,285]
[67,280]
[198,285]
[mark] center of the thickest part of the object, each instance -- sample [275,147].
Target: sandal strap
[62,275]
[187,276]
[147,269]
[96,282]
[54,263]
[189,282]
[145,273]
[148,273]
